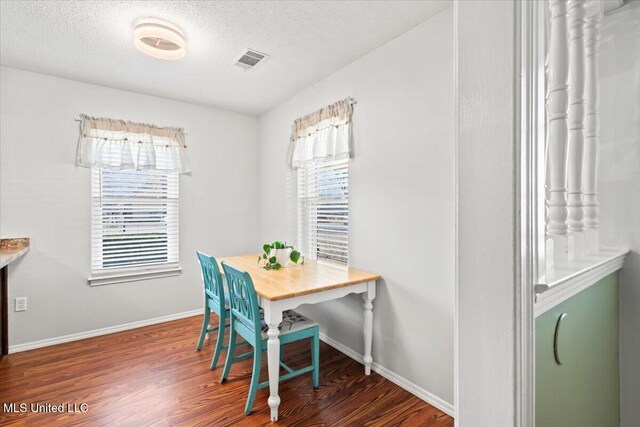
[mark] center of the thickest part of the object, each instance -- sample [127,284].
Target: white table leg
[273,317]
[368,326]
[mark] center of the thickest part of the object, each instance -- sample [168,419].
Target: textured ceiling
[92,41]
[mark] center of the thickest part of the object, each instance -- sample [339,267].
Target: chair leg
[255,378]
[315,358]
[205,326]
[219,342]
[282,352]
[230,353]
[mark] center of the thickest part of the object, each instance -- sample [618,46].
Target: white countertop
[567,279]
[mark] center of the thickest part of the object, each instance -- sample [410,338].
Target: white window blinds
[323,210]
[134,221]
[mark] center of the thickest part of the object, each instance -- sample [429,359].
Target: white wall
[619,183]
[487,177]
[45,197]
[402,201]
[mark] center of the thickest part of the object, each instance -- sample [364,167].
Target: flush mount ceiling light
[159,39]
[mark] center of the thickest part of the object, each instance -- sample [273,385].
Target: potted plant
[277,255]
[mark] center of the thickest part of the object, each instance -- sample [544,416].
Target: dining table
[310,282]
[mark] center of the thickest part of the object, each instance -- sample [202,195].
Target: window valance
[117,144]
[322,135]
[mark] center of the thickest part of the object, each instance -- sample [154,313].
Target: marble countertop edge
[12,249]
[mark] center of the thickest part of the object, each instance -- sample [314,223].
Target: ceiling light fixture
[159,39]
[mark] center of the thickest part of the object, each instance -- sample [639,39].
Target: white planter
[282,255]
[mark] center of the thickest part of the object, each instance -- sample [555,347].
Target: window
[134,223]
[323,210]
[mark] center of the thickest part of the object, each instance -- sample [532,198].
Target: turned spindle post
[577,15]
[591,136]
[557,130]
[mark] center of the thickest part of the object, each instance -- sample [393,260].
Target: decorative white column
[591,136]
[577,15]
[557,133]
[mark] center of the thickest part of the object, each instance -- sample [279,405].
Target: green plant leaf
[266,248]
[264,256]
[259,259]
[295,256]
[278,245]
[273,260]
[277,266]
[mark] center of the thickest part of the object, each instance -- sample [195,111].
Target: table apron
[318,297]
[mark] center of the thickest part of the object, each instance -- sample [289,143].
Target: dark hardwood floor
[154,376]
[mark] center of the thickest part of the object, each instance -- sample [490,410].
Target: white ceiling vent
[250,59]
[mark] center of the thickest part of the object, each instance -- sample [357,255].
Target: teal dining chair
[216,300]
[247,321]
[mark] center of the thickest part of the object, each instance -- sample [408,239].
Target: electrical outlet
[21,304]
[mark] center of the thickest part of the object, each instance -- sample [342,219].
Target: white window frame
[161,192]
[323,219]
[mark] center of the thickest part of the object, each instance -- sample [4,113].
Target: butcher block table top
[295,279]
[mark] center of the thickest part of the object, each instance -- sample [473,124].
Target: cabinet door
[584,389]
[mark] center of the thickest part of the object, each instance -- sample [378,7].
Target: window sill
[110,279]
[566,280]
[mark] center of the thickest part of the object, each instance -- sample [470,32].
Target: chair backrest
[211,278]
[243,298]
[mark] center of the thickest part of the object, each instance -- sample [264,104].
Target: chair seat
[292,321]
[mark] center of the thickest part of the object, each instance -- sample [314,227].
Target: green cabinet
[584,390]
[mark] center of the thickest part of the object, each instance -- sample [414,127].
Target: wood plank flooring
[154,376]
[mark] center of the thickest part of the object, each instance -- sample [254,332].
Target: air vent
[250,59]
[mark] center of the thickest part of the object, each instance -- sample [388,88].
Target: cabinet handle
[556,339]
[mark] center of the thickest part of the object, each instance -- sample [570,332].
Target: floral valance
[118,144]
[322,135]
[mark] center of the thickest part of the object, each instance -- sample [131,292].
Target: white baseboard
[423,394]
[102,331]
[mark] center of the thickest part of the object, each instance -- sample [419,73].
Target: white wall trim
[110,279]
[417,391]
[456,231]
[530,178]
[102,331]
